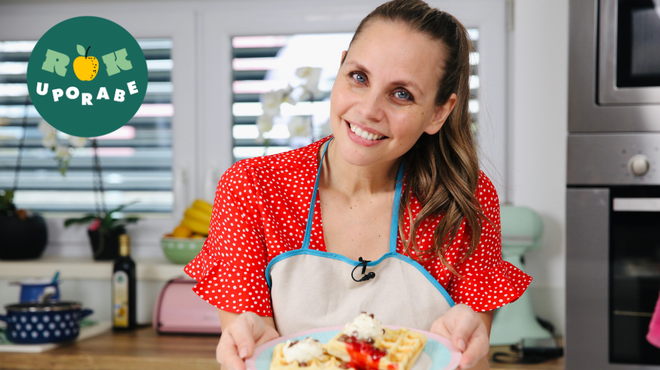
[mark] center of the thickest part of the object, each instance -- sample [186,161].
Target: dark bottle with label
[123,288]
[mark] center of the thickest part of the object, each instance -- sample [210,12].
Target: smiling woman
[395,193]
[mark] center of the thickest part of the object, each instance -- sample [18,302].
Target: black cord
[98,180]
[21,144]
[364,277]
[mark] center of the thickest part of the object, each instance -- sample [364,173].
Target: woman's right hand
[241,335]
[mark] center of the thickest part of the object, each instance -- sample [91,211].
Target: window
[135,160]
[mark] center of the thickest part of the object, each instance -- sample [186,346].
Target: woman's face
[384,96]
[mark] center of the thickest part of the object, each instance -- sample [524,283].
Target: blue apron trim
[352,263]
[392,242]
[394,226]
[312,203]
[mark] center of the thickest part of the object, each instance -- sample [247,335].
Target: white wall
[538,129]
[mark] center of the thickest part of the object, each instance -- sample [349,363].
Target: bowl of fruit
[186,240]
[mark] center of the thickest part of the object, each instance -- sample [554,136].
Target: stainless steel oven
[613,184]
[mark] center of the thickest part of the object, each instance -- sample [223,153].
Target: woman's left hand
[467,332]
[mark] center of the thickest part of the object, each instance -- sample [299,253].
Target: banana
[197,215]
[195,225]
[203,206]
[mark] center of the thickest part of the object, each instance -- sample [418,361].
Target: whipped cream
[302,351]
[364,327]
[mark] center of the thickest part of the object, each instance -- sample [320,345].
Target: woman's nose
[371,106]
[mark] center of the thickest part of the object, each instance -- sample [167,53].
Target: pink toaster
[179,310]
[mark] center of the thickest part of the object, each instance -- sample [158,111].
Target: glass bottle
[123,288]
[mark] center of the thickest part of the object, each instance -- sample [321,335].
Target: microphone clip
[364,277]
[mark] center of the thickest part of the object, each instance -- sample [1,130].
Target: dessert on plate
[365,344]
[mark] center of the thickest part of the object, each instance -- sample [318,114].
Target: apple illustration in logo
[85,67]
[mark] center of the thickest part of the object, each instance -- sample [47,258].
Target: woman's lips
[359,139]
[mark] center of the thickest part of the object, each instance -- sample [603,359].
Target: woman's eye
[404,95]
[359,78]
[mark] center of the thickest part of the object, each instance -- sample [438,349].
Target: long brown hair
[442,169]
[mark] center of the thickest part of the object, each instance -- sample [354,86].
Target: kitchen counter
[141,349]
[144,349]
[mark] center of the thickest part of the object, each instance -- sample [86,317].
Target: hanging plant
[105,227]
[23,233]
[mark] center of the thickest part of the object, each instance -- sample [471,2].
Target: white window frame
[202,124]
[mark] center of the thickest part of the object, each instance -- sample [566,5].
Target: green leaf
[127,220]
[81,50]
[6,197]
[108,220]
[132,219]
[118,209]
[82,220]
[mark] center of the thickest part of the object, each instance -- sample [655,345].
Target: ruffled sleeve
[230,267]
[487,282]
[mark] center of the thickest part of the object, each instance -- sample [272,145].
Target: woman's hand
[468,333]
[241,335]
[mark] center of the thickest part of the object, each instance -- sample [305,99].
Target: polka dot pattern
[260,211]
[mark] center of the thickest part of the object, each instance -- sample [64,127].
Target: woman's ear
[440,115]
[343,56]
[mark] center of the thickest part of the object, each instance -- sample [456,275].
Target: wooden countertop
[144,349]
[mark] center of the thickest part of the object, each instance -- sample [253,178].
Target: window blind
[136,159]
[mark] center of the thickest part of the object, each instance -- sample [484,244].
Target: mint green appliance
[522,229]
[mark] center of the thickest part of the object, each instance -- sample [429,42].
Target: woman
[410,225]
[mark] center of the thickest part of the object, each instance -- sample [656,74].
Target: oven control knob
[639,165]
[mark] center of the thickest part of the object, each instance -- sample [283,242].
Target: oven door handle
[636,205]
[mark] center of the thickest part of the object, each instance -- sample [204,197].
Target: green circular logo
[87,76]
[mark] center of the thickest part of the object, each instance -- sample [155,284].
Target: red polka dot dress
[260,211]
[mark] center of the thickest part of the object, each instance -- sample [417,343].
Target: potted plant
[104,231]
[23,233]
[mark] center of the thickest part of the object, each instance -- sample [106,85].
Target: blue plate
[438,353]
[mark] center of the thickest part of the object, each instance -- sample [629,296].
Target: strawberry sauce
[364,356]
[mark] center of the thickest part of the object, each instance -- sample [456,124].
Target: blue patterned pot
[35,323]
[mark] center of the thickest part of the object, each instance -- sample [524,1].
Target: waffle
[397,349]
[325,362]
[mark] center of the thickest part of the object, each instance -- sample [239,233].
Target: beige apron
[314,289]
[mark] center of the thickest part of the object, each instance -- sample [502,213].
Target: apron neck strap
[394,226]
[310,215]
